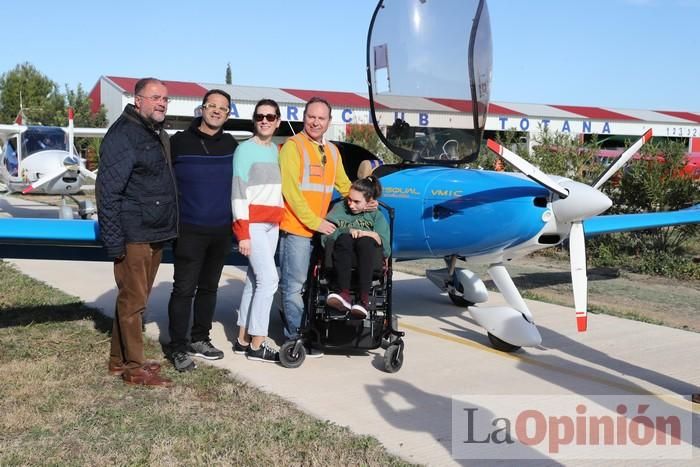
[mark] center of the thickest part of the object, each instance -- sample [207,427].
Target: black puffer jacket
[135,188]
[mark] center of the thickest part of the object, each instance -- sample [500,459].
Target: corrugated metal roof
[595,112]
[684,115]
[410,103]
[255,93]
[539,110]
[334,98]
[175,88]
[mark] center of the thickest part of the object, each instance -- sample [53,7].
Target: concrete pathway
[446,355]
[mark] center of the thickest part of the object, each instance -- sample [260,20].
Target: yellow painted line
[630,388]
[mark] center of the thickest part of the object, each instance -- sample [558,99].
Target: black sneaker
[182,362]
[204,349]
[263,354]
[239,348]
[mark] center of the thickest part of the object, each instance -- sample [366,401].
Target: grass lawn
[60,407]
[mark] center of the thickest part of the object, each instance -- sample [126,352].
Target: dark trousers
[364,253]
[134,276]
[199,260]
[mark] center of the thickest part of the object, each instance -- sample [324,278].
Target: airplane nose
[71,162]
[583,202]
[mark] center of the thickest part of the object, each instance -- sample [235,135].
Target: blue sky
[614,53]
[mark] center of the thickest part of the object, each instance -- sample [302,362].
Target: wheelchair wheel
[289,358]
[393,358]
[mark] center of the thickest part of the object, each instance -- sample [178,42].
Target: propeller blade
[622,159]
[44,180]
[579,278]
[71,133]
[528,169]
[87,173]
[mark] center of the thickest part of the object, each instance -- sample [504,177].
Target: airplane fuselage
[40,164]
[446,211]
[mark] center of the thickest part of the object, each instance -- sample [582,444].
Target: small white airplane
[43,159]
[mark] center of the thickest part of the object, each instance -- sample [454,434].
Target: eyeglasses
[212,106]
[268,117]
[323,154]
[164,99]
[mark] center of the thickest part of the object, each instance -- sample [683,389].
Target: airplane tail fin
[20,119]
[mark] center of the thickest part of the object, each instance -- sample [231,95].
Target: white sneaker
[358,311]
[337,301]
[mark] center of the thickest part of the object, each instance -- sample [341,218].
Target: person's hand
[119,258]
[372,205]
[325,227]
[356,233]
[244,247]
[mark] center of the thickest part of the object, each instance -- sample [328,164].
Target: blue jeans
[261,280]
[295,255]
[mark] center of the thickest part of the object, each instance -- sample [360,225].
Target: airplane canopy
[439,50]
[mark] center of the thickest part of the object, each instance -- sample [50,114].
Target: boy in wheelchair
[361,240]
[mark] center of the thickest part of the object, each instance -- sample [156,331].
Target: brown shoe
[149,365]
[143,377]
[696,398]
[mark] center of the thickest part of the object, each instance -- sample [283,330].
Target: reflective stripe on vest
[307,180]
[316,182]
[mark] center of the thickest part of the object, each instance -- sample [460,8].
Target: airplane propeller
[528,169]
[46,179]
[576,202]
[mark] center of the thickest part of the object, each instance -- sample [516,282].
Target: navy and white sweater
[203,168]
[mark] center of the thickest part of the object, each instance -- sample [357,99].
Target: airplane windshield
[37,139]
[429,67]
[11,162]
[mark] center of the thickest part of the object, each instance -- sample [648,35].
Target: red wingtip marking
[27,190]
[71,113]
[582,323]
[648,135]
[494,146]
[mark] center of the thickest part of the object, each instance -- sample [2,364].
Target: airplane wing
[629,222]
[7,130]
[65,239]
[90,132]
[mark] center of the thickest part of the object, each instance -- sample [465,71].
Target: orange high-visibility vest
[316,182]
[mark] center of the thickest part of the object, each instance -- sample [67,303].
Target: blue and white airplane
[438,49]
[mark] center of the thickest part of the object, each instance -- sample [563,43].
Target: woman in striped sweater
[257,211]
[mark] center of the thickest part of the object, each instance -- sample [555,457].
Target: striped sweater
[256,194]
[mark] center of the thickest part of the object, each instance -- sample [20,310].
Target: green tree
[41,99]
[81,103]
[229,78]
[365,136]
[563,154]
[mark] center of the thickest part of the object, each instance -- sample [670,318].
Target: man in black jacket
[137,212]
[202,159]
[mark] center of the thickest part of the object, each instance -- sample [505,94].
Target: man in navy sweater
[203,161]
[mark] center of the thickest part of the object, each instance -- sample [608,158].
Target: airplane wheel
[393,359]
[289,358]
[460,301]
[502,345]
